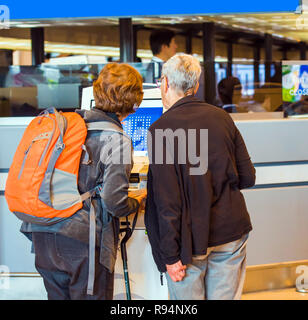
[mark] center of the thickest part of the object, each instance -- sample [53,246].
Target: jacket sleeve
[245,168]
[168,203]
[117,161]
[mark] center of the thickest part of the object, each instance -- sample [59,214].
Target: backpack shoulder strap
[105,126]
[99,126]
[102,126]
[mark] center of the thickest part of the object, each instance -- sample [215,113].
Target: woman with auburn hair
[62,250]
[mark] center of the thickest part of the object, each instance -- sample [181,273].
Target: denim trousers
[63,264]
[218,275]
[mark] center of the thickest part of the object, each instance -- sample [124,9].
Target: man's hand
[140,196]
[176,271]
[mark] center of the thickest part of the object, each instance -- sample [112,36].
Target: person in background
[163,46]
[62,249]
[196,217]
[226,90]
[297,108]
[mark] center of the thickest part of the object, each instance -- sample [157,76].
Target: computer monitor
[137,124]
[294,80]
[87,98]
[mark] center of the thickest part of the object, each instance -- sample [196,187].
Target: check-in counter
[277,204]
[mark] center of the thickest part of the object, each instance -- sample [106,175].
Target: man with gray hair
[196,217]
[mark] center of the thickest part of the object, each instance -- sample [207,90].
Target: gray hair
[183,72]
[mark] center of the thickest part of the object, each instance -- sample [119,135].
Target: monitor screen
[136,126]
[294,80]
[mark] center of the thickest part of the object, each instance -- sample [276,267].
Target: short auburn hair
[118,88]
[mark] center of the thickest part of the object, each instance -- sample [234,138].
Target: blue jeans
[218,275]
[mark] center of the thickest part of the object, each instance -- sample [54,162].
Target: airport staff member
[196,217]
[163,46]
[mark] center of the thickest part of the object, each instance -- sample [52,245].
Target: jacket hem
[230,239]
[171,261]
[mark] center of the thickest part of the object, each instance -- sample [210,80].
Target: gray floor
[22,288]
[32,288]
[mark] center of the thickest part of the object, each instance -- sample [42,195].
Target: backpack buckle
[60,146]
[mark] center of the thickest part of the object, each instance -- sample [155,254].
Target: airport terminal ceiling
[92,35]
[288,25]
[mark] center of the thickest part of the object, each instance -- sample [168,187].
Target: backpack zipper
[24,160]
[49,141]
[44,114]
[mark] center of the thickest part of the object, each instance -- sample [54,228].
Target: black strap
[135,220]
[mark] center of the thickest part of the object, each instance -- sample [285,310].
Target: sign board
[20,9]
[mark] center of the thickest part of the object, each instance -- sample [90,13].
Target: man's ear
[163,47]
[166,84]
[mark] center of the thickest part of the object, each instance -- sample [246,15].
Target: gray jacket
[112,202]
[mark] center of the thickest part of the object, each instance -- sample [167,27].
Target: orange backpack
[42,182]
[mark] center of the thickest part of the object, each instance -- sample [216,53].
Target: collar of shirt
[229,106]
[156,59]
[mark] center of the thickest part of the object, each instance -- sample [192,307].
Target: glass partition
[244,93]
[27,90]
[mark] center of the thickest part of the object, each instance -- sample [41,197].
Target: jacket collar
[156,59]
[96,114]
[183,101]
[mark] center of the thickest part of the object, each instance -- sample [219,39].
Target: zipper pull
[26,152]
[161,279]
[60,146]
